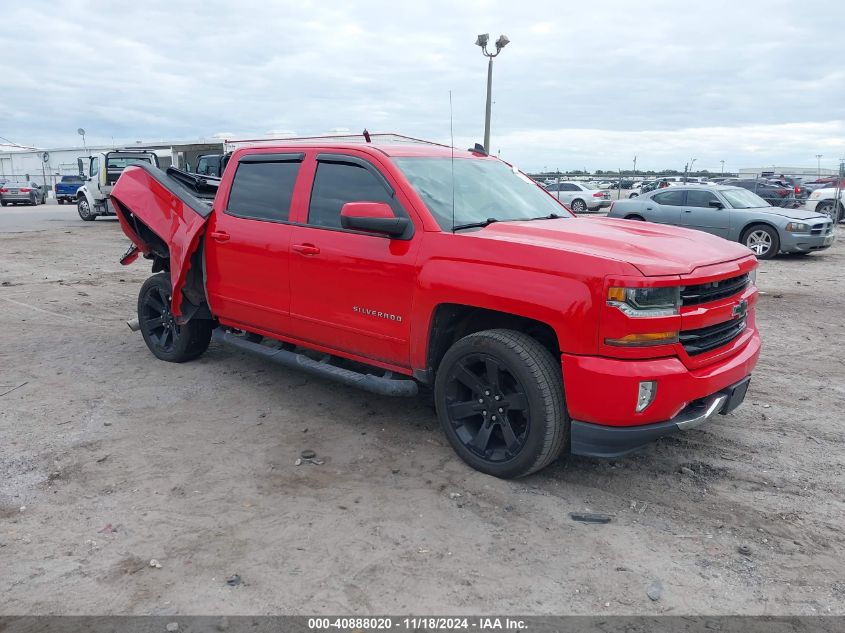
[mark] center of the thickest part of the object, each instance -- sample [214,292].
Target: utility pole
[819,164]
[635,167]
[500,44]
[723,167]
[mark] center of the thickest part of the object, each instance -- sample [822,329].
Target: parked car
[66,188]
[580,196]
[824,201]
[13,193]
[389,266]
[775,195]
[735,214]
[791,182]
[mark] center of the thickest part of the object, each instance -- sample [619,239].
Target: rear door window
[263,191]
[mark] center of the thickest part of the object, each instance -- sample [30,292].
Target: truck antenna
[452,145]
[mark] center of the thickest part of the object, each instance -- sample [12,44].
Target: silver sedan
[735,214]
[14,193]
[579,196]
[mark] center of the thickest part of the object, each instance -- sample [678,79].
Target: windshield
[743,199]
[483,189]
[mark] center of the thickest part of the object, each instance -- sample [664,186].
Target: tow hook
[134,324]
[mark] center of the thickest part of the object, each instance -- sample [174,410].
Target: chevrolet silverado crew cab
[393,266]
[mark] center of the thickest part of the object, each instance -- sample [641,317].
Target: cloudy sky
[582,84]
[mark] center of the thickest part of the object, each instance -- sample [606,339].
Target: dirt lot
[109,458]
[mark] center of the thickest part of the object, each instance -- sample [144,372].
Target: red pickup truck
[393,266]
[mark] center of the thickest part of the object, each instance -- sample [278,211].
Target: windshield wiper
[474,225]
[551,216]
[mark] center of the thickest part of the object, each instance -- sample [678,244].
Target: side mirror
[373,217]
[80,167]
[715,204]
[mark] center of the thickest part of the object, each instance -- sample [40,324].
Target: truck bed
[164,214]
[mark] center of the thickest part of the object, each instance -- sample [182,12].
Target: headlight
[797,227]
[815,195]
[645,302]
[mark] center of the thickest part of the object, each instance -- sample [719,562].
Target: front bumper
[595,440]
[804,242]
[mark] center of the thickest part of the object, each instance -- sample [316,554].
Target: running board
[368,382]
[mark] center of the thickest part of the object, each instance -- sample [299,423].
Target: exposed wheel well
[452,322]
[634,216]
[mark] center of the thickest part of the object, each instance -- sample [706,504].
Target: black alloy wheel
[487,407]
[165,337]
[499,397]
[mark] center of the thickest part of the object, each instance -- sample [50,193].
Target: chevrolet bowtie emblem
[740,309]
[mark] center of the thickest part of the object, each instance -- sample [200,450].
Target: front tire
[165,338]
[633,195]
[763,240]
[499,397]
[84,209]
[60,200]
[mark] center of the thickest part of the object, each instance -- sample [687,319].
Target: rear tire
[499,397]
[84,209]
[61,200]
[579,206]
[762,239]
[166,339]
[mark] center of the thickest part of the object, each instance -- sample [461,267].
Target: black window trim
[290,157]
[252,159]
[340,159]
[360,162]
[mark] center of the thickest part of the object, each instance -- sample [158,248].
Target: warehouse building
[47,166]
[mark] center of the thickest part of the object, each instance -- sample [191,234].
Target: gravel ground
[109,459]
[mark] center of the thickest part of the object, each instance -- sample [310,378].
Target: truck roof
[392,150]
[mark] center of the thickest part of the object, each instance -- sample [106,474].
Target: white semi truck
[103,170]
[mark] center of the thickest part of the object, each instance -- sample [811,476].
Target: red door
[350,291]
[247,256]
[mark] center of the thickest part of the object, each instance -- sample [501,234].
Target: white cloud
[588,83]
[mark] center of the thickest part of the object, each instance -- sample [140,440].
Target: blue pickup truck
[66,189]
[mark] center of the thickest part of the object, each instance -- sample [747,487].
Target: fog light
[645,396]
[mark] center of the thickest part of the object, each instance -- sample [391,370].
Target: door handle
[687,210]
[220,236]
[305,249]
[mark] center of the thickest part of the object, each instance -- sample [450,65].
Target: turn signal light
[644,339]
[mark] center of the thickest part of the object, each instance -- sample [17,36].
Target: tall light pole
[723,167]
[635,167]
[819,163]
[500,44]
